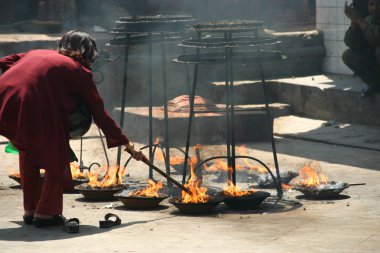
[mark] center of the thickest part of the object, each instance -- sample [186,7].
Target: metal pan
[98,194]
[138,202]
[247,202]
[196,208]
[265,180]
[16,177]
[326,191]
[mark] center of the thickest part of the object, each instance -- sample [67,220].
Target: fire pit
[328,190]
[196,208]
[140,202]
[196,201]
[242,200]
[97,193]
[105,188]
[316,185]
[16,176]
[247,202]
[147,198]
[265,180]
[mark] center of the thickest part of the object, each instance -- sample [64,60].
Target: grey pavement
[348,224]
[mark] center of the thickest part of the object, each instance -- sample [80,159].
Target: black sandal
[56,220]
[71,225]
[107,223]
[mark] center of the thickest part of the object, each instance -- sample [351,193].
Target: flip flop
[71,225]
[107,222]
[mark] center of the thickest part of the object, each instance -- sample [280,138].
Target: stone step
[326,97]
[340,134]
[207,127]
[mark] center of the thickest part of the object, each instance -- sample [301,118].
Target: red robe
[38,91]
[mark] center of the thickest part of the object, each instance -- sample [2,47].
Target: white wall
[333,23]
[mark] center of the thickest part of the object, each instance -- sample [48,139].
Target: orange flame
[75,171]
[234,191]
[197,193]
[311,176]
[109,180]
[151,191]
[286,186]
[242,150]
[218,165]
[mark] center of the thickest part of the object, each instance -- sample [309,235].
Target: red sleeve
[7,61]
[95,104]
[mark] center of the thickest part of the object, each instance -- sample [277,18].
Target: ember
[151,191]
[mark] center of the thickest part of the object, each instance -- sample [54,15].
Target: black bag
[79,121]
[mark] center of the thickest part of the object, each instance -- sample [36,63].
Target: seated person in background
[363,40]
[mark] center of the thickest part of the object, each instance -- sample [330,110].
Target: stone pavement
[348,224]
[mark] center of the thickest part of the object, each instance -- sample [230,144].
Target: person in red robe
[39,89]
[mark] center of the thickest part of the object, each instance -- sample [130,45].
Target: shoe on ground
[56,220]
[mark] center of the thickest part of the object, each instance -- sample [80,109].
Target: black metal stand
[229,61]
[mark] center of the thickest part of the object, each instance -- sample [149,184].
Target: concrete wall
[333,23]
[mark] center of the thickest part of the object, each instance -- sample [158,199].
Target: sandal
[71,225]
[56,220]
[107,222]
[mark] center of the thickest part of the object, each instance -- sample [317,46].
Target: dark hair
[78,45]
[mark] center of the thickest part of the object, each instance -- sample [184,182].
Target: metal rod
[80,155]
[228,102]
[123,97]
[357,184]
[166,176]
[166,115]
[104,147]
[150,102]
[122,106]
[232,118]
[270,123]
[191,115]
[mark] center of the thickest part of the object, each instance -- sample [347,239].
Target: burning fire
[234,191]
[198,194]
[75,171]
[244,152]
[312,177]
[151,191]
[218,165]
[109,180]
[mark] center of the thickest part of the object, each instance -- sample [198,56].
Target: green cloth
[11,149]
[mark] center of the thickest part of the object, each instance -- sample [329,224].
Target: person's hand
[351,13]
[135,153]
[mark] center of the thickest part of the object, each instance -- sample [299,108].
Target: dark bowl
[266,181]
[78,181]
[138,202]
[247,202]
[196,208]
[16,177]
[322,193]
[99,194]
